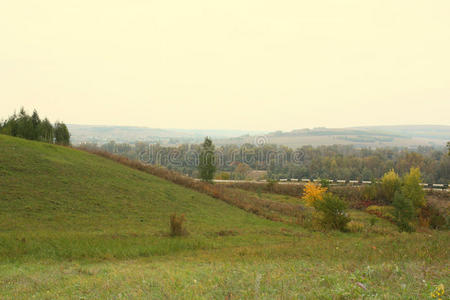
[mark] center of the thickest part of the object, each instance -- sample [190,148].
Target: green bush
[271,184]
[370,192]
[324,183]
[385,211]
[333,212]
[372,221]
[404,212]
[433,217]
[438,221]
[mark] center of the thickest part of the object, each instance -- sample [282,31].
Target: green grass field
[78,226]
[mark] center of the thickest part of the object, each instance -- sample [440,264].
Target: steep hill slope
[52,198]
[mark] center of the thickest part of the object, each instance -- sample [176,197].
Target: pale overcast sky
[237,64]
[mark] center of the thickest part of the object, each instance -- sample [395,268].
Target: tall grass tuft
[177,227]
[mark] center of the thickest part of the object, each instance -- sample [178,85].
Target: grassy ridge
[61,202]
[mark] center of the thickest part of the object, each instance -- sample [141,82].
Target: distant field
[75,225]
[373,136]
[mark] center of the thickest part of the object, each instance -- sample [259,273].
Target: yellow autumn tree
[412,190]
[312,193]
[390,183]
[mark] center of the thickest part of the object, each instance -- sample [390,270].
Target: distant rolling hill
[372,136]
[131,134]
[439,132]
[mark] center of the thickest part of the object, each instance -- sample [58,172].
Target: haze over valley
[410,136]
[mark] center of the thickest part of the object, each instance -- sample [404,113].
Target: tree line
[331,162]
[31,127]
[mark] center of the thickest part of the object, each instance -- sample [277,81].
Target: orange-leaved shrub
[313,193]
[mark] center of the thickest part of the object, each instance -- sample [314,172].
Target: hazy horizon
[231,65]
[262,130]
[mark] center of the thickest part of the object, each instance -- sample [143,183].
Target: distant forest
[330,162]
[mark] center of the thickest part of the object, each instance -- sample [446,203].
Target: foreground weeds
[313,266]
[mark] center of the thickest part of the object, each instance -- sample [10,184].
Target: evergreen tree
[24,125]
[36,126]
[206,165]
[46,131]
[403,212]
[10,126]
[61,133]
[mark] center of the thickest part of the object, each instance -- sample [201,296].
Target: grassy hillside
[74,225]
[65,197]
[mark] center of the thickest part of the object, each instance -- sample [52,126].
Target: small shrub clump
[386,211]
[333,212]
[309,218]
[354,226]
[433,217]
[372,221]
[177,225]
